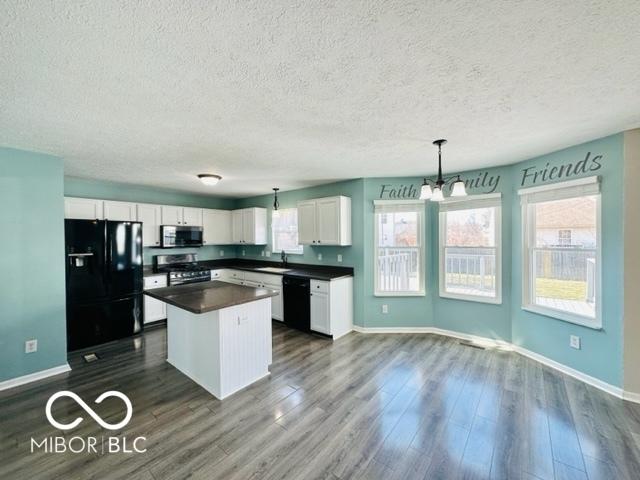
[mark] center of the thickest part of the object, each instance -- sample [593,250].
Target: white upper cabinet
[150,216]
[236,226]
[325,221]
[216,225]
[192,216]
[249,226]
[119,211]
[307,222]
[83,208]
[172,215]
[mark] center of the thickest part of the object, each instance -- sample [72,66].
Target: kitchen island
[218,333]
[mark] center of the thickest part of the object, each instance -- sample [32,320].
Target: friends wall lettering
[534,175]
[485,182]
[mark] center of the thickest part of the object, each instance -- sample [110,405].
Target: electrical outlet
[385,308]
[243,253]
[222,253]
[574,342]
[340,258]
[319,256]
[268,253]
[262,253]
[31,346]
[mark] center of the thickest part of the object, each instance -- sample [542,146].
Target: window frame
[529,244]
[471,202]
[273,236]
[422,264]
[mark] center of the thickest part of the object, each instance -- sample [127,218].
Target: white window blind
[558,191]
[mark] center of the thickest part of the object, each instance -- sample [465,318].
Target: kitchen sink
[273,269]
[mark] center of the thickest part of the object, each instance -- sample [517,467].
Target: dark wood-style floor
[399,406]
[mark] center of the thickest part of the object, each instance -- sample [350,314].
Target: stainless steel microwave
[172,236]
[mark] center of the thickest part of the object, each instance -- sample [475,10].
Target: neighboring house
[567,223]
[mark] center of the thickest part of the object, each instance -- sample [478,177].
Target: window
[284,231]
[564,237]
[561,240]
[470,246]
[399,252]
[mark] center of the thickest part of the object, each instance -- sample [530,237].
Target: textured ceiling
[292,93]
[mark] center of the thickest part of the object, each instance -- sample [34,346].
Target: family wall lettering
[485,182]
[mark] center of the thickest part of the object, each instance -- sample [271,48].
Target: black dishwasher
[296,298]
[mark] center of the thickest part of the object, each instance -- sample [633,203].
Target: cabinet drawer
[156,281]
[319,286]
[236,274]
[216,274]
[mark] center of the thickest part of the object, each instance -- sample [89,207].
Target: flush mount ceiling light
[434,190]
[276,203]
[209,179]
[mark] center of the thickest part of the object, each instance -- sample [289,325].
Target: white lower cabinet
[154,309]
[320,313]
[332,306]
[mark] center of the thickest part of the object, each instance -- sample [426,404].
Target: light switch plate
[385,308]
[222,253]
[31,346]
[243,253]
[262,253]
[268,253]
[339,257]
[574,342]
[319,256]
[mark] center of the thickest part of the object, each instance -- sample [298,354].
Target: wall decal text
[533,175]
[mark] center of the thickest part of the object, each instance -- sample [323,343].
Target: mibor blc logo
[89,444]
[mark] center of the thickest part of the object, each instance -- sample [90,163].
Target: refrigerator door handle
[80,254]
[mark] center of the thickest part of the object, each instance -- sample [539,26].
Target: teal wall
[32,297]
[78,187]
[601,353]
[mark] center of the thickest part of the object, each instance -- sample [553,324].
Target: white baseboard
[32,377]
[588,379]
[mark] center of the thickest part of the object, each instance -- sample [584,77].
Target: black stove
[182,268]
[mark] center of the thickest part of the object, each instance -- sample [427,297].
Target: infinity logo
[88,409]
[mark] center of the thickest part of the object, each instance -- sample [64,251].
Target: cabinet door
[150,216]
[171,215]
[83,208]
[192,216]
[248,226]
[328,211]
[236,226]
[120,211]
[320,313]
[307,222]
[216,227]
[154,309]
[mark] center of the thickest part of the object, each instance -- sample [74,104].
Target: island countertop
[205,297]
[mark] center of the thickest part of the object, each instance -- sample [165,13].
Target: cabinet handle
[314,241]
[311,294]
[318,241]
[157,243]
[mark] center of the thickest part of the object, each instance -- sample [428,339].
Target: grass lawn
[564,289]
[545,287]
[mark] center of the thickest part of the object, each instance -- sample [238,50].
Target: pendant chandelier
[434,190]
[276,203]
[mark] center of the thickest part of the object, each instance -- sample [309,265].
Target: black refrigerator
[104,281]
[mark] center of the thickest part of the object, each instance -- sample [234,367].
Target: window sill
[472,298]
[399,294]
[592,323]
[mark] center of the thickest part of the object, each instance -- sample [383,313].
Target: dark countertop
[205,297]
[301,270]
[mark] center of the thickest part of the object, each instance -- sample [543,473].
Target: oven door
[178,236]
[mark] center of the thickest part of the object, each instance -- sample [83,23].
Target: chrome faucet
[283,257]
